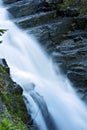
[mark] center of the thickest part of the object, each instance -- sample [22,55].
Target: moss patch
[7,122]
[81,4]
[14,116]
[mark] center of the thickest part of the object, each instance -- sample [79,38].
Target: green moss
[81,4]
[15,105]
[83,8]
[69,3]
[7,124]
[2,70]
[15,117]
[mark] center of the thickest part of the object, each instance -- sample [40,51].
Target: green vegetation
[2,32]
[80,4]
[14,115]
[7,124]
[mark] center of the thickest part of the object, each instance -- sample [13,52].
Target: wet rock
[17,89]
[59,61]
[84,98]
[76,39]
[78,74]
[10,1]
[36,20]
[48,5]
[81,22]
[77,33]
[54,1]
[4,64]
[73,54]
[77,78]
[24,8]
[46,35]
[45,6]
[68,12]
[61,27]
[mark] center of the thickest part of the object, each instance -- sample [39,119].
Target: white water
[28,63]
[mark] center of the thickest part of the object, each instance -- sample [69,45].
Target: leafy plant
[7,124]
[2,32]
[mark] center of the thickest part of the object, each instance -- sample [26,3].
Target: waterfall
[49,97]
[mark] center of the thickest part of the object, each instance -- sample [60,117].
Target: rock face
[12,107]
[53,1]
[62,33]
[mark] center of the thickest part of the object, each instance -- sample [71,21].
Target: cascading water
[58,107]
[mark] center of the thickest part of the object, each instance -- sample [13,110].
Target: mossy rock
[81,5]
[12,104]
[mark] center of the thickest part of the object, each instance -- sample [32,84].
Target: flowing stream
[49,97]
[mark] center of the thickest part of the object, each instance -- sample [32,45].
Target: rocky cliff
[13,113]
[61,28]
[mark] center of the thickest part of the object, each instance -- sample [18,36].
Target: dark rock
[46,33]
[4,64]
[17,89]
[77,78]
[84,98]
[54,1]
[58,60]
[42,34]
[10,1]
[77,33]
[24,8]
[59,26]
[69,12]
[36,20]
[73,58]
[45,6]
[81,22]
[76,39]
[2,107]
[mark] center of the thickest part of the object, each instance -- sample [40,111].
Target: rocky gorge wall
[62,32]
[13,112]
